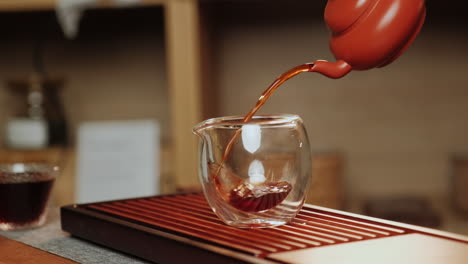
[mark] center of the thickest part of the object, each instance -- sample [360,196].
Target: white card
[117,160]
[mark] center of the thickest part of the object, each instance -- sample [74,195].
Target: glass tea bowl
[24,194]
[254,174]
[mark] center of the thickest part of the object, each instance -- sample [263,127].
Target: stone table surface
[52,239]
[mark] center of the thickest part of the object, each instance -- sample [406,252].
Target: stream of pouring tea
[255,198]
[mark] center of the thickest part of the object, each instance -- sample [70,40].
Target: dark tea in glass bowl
[24,193]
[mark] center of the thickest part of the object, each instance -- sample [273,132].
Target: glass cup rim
[24,171]
[235,122]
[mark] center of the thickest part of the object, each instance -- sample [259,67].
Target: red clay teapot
[369,34]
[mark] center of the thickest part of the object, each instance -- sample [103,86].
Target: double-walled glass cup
[254,174]
[24,194]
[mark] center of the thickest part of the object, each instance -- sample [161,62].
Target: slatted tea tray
[181,228]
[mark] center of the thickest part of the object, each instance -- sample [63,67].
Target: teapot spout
[333,70]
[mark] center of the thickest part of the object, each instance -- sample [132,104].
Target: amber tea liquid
[23,202]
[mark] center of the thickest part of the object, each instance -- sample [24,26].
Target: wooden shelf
[184,78]
[37,5]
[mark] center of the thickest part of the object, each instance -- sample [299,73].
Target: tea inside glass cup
[24,193]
